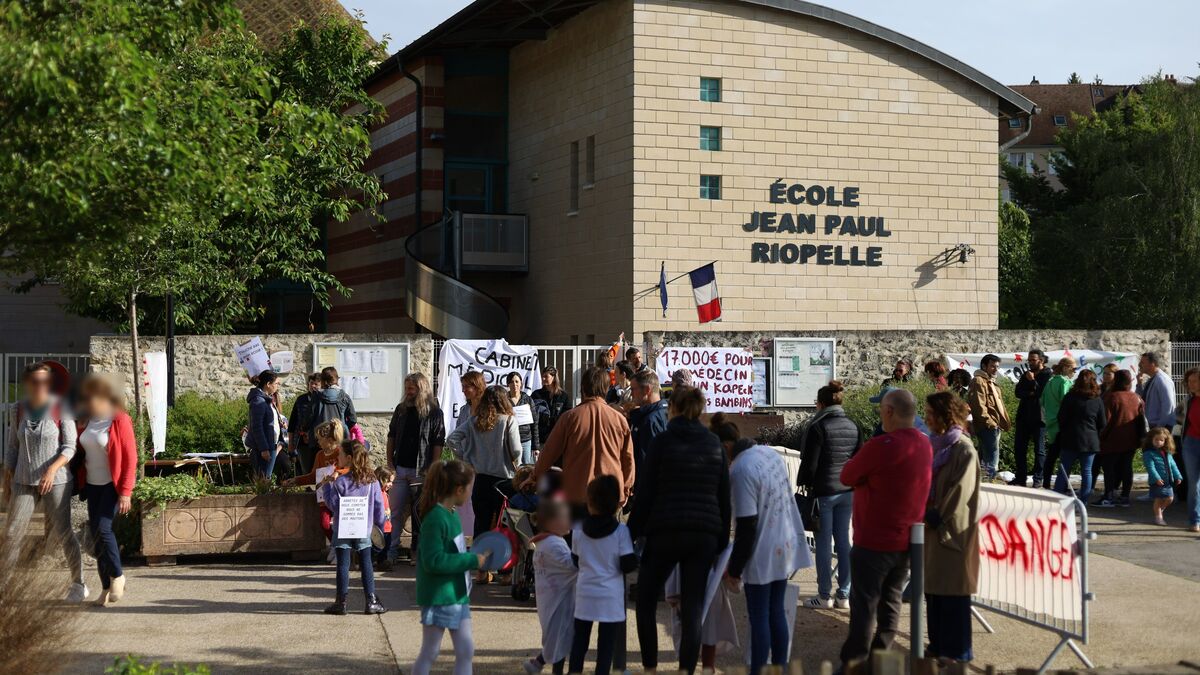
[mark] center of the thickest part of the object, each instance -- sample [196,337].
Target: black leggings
[694,553]
[485,502]
[606,640]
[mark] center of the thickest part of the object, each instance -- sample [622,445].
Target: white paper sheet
[253,357]
[353,518]
[283,362]
[379,361]
[319,475]
[523,414]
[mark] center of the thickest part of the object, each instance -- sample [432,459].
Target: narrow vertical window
[574,206]
[710,187]
[710,138]
[710,89]
[589,174]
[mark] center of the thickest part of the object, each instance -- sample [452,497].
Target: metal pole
[170,350]
[916,554]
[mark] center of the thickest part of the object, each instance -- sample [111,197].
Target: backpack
[541,413]
[325,411]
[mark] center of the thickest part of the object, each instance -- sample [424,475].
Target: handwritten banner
[724,374]
[1014,364]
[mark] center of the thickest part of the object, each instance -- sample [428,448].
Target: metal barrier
[570,360]
[11,366]
[1184,355]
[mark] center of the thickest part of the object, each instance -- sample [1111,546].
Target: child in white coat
[554,586]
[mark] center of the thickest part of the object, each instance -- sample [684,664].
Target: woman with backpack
[40,443]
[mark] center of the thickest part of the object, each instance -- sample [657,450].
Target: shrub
[198,424]
[132,665]
[35,633]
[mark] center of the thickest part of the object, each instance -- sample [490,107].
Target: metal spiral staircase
[437,298]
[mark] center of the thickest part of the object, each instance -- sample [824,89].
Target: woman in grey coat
[39,445]
[490,441]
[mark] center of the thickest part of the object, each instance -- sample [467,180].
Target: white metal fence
[1184,355]
[11,367]
[569,360]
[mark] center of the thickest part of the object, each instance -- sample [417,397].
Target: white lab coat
[554,586]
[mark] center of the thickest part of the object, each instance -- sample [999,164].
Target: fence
[1184,355]
[569,360]
[11,366]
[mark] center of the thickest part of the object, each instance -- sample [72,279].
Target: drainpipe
[1021,137]
[420,143]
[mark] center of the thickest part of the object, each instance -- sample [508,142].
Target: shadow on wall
[928,271]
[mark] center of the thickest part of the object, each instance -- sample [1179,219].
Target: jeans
[1191,466]
[834,534]
[768,624]
[266,467]
[343,572]
[875,604]
[102,509]
[527,451]
[56,506]
[1067,461]
[403,500]
[605,641]
[1035,432]
[989,450]
[695,554]
[949,626]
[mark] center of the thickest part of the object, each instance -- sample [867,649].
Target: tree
[1116,247]
[1074,78]
[1016,268]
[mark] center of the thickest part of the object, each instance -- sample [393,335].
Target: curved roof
[500,23]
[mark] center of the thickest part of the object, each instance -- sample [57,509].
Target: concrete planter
[269,523]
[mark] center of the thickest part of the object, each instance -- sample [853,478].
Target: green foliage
[154,491]
[1127,220]
[198,424]
[1074,78]
[131,664]
[1017,306]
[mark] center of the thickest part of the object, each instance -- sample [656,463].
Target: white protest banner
[154,372]
[353,518]
[253,357]
[724,374]
[1027,553]
[1014,364]
[494,358]
[283,362]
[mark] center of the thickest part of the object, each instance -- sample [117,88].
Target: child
[603,552]
[1162,472]
[554,585]
[329,440]
[386,475]
[357,481]
[444,567]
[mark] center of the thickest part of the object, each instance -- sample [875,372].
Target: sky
[1013,42]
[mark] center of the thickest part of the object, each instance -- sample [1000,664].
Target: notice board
[372,373]
[799,368]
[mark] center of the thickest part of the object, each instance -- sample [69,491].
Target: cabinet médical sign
[795,222]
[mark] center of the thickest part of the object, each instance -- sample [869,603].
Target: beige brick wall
[576,83]
[812,103]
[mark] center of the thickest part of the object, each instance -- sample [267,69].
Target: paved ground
[248,617]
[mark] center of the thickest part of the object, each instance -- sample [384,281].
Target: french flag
[704,287]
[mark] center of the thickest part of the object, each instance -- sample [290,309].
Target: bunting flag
[662,288]
[704,287]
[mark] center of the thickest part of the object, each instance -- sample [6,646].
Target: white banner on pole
[1028,561]
[494,358]
[724,374]
[1014,364]
[154,374]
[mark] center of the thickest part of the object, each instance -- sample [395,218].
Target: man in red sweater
[890,475]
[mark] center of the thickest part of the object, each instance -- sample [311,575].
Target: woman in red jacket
[107,474]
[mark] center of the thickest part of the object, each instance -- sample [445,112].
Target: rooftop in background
[1057,105]
[270,20]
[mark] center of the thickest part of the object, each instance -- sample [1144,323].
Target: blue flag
[662,288]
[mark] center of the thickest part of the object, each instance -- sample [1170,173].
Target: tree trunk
[138,376]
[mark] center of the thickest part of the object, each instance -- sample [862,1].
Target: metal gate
[1184,356]
[569,360]
[11,367]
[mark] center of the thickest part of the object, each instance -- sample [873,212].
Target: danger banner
[1028,554]
[1014,364]
[724,374]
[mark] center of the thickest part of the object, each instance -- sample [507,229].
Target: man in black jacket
[1031,424]
[649,418]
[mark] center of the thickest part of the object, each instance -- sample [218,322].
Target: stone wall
[205,364]
[865,358]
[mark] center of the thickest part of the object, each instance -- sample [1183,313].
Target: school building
[554,155]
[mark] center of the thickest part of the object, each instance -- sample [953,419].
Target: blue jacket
[645,423]
[1158,468]
[1159,395]
[262,421]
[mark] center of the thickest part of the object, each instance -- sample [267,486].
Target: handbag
[1142,426]
[810,509]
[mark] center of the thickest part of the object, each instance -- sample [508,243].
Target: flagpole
[643,293]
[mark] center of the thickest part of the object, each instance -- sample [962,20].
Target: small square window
[589,174]
[1014,123]
[710,89]
[1060,120]
[710,138]
[710,187]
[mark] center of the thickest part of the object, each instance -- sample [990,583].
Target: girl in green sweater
[444,567]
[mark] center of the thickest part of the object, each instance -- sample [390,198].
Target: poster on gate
[1014,364]
[1028,558]
[724,374]
[494,358]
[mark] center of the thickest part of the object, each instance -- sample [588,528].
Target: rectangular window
[710,187]
[589,174]
[1014,123]
[1017,159]
[1060,120]
[1050,158]
[710,89]
[710,138]
[574,206]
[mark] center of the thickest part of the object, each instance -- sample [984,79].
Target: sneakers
[817,602]
[78,593]
[532,666]
[1123,502]
[1159,521]
[1105,503]
[841,603]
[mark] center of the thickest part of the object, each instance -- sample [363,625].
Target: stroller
[517,523]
